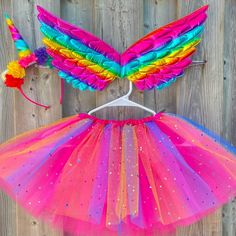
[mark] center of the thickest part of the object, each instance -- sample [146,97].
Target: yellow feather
[79,59]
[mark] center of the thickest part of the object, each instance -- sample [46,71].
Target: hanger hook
[130,90]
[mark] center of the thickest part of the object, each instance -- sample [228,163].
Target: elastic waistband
[121,122]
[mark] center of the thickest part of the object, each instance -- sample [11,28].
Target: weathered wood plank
[119,23]
[200,93]
[42,85]
[80,13]
[229,211]
[7,206]
[156,14]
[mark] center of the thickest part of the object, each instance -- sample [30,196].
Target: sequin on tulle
[119,177]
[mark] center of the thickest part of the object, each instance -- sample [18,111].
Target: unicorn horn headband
[21,46]
[14,75]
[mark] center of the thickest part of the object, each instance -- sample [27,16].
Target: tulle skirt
[119,177]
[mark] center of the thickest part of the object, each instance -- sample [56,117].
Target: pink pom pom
[27,61]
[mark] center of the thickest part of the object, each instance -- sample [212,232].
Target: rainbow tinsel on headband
[26,56]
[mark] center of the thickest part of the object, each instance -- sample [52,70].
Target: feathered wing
[83,60]
[154,61]
[157,59]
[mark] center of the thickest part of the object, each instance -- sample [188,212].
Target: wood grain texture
[206,94]
[41,85]
[229,106]
[79,13]
[199,95]
[7,206]
[156,14]
[119,23]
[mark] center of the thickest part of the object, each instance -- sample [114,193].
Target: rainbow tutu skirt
[119,177]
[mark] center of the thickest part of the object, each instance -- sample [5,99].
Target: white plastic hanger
[126,102]
[123,101]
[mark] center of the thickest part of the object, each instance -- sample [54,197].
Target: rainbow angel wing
[83,60]
[157,59]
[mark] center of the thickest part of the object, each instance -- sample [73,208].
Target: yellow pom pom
[15,69]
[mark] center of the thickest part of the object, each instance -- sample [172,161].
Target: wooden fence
[206,94]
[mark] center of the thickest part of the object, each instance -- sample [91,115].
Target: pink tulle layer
[122,177]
